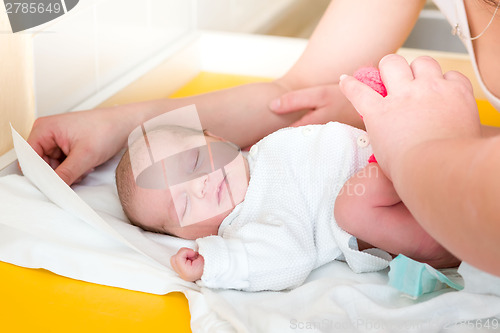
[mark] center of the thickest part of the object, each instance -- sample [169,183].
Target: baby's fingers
[173,263]
[178,259]
[188,264]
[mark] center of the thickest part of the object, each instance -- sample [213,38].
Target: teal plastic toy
[414,278]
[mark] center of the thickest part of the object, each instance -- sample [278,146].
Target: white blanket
[81,233]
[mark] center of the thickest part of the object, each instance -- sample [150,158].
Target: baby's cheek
[227,204]
[239,193]
[239,179]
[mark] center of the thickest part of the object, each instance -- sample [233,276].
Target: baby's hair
[125,186]
[124,177]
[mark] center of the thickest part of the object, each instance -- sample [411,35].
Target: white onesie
[285,226]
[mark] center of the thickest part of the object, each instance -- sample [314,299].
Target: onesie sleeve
[273,255]
[226,263]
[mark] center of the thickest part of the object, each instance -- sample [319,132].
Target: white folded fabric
[82,233]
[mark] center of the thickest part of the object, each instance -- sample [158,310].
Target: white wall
[246,16]
[80,53]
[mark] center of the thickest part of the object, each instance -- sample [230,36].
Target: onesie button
[254,150]
[363,141]
[306,131]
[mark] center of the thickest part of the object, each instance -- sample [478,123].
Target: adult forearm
[452,187]
[338,45]
[239,114]
[352,34]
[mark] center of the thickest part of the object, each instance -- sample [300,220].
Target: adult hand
[422,105]
[325,103]
[74,143]
[188,264]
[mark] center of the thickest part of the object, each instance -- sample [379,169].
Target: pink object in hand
[372,159]
[371,77]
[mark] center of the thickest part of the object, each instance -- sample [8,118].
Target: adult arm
[427,139]
[340,44]
[351,34]
[73,143]
[454,195]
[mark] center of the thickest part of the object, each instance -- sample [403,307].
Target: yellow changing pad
[40,301]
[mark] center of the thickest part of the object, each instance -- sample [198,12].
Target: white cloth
[454,11]
[80,234]
[285,227]
[37,233]
[479,282]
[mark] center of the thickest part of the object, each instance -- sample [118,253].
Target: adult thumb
[362,97]
[72,168]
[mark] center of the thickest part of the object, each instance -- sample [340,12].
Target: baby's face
[198,198]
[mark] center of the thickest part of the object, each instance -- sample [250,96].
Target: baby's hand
[188,264]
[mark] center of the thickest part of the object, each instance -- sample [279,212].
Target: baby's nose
[199,186]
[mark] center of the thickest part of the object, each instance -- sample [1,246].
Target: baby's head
[189,189]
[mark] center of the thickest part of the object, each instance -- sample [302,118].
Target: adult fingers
[303,99]
[73,166]
[79,179]
[426,67]
[458,77]
[363,98]
[47,149]
[394,70]
[41,146]
[53,157]
[306,119]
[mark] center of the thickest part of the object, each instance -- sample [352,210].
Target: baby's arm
[188,264]
[275,256]
[275,253]
[369,208]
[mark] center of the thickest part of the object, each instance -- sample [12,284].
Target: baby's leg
[369,208]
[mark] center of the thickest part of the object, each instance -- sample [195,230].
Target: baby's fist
[188,264]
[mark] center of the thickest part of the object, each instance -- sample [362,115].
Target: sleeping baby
[301,197]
